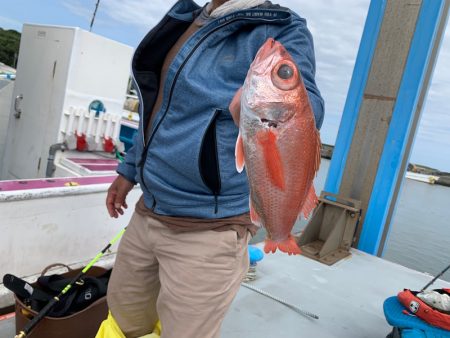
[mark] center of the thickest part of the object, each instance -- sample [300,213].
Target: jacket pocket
[208,160]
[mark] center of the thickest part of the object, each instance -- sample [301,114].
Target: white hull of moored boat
[67,225]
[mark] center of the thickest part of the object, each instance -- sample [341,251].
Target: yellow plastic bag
[110,329]
[156,331]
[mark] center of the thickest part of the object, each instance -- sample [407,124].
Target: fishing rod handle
[46,309]
[36,319]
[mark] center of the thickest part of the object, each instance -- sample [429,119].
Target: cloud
[80,9]
[135,13]
[337,31]
[337,28]
[138,13]
[8,23]
[76,8]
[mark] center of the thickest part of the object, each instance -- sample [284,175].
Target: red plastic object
[81,142]
[108,145]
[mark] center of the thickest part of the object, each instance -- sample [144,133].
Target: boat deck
[348,297]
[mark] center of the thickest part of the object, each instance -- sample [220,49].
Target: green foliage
[9,46]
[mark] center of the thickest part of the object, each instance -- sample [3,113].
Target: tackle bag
[408,325]
[424,311]
[78,314]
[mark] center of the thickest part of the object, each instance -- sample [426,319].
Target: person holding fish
[223,88]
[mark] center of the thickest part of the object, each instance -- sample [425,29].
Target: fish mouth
[269,123]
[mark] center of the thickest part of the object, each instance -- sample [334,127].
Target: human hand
[117,194]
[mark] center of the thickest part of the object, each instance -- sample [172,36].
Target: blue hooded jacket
[187,166]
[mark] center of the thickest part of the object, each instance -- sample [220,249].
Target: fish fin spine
[289,246]
[310,202]
[318,152]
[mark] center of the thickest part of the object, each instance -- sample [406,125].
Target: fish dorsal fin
[235,107]
[318,152]
[310,202]
[272,157]
[311,198]
[239,154]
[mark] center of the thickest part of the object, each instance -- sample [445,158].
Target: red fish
[278,144]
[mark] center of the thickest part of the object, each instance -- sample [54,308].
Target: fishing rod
[435,279]
[46,309]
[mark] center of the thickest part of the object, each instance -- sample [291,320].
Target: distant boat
[422,177]
[7,72]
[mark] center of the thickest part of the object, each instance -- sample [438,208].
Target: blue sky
[336,28]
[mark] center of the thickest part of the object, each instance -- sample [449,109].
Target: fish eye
[285,72]
[285,75]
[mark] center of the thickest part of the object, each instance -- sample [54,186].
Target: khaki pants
[187,280]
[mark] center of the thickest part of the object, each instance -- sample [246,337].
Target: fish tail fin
[288,246]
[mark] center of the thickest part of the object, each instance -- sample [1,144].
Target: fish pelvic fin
[254,217]
[288,246]
[272,157]
[239,154]
[235,107]
[310,202]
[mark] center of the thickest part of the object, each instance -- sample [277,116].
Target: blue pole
[394,153]
[355,95]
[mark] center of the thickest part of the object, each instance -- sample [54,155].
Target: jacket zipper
[146,146]
[217,192]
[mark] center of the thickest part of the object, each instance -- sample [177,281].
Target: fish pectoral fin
[310,202]
[289,246]
[272,157]
[235,107]
[239,154]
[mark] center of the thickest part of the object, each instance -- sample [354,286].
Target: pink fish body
[278,144]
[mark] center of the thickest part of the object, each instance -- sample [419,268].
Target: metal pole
[392,74]
[281,301]
[93,16]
